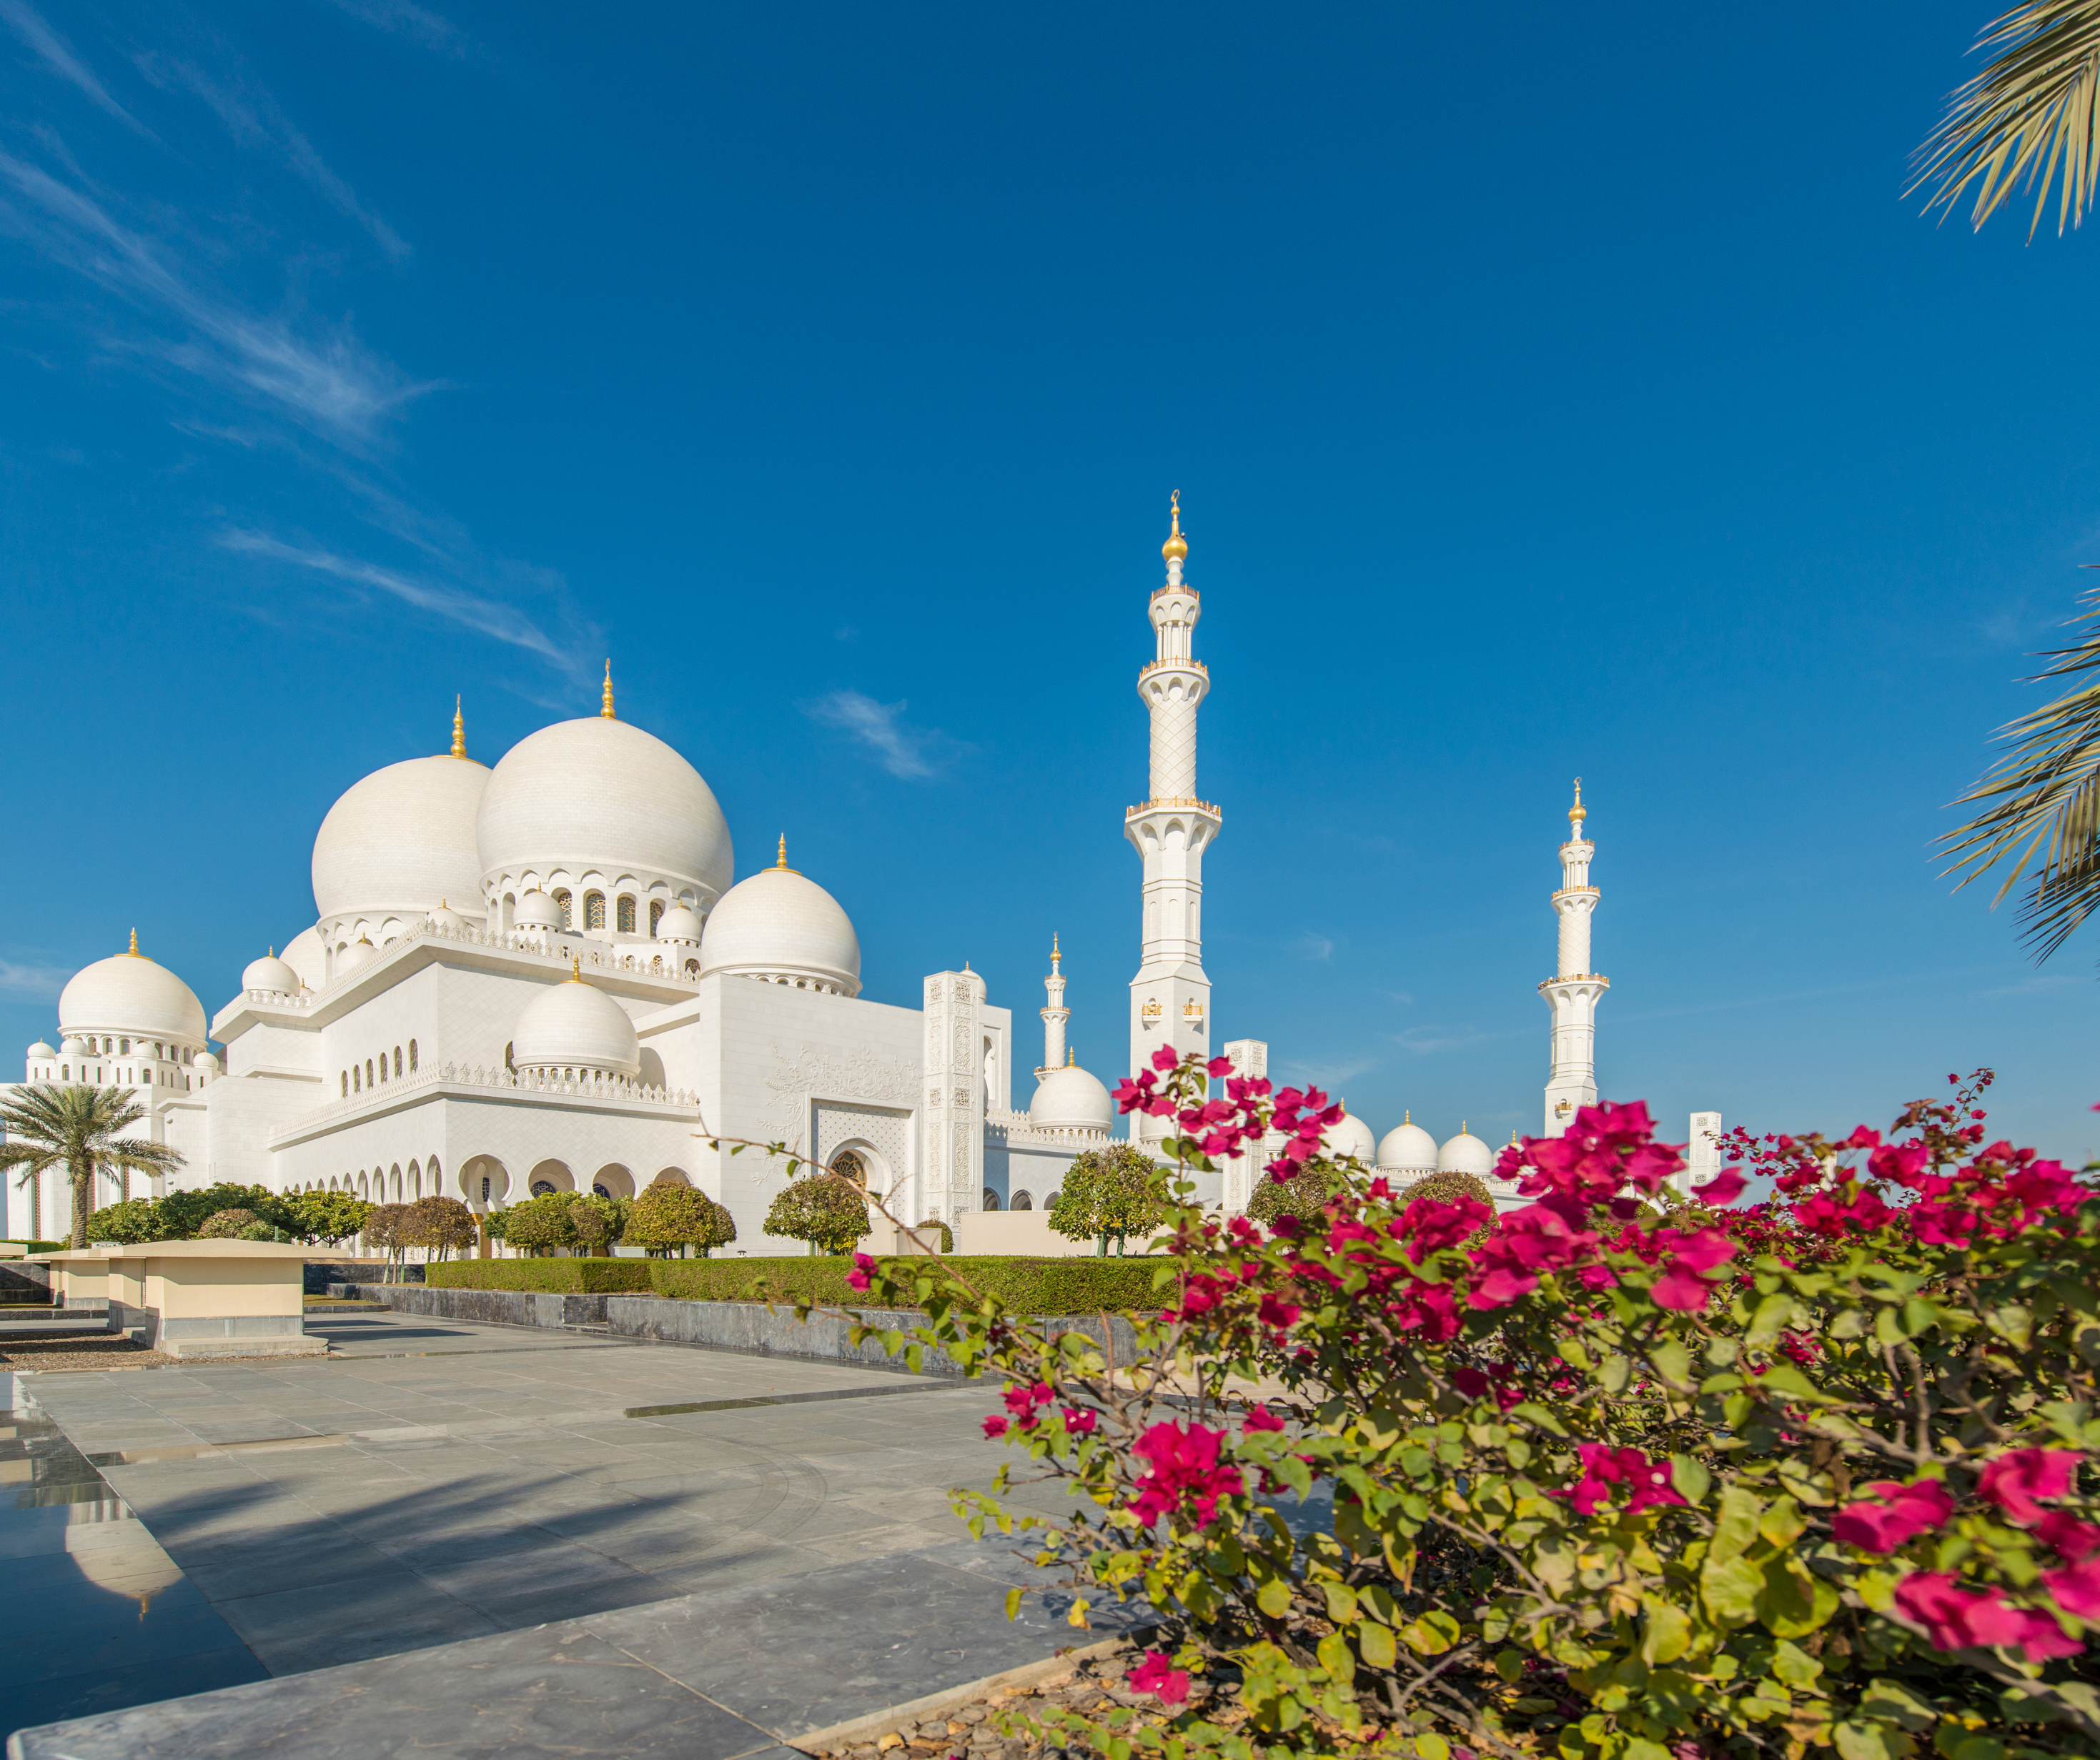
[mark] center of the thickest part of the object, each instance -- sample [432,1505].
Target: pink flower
[2067,1536]
[857,1278]
[1165,1058]
[1185,1465]
[2076,1589]
[1724,1188]
[2014,1481]
[1259,1417]
[995,1426]
[1897,1513]
[1154,1675]
[1219,1068]
[1606,1470]
[1956,1618]
[1078,1422]
[1682,1290]
[1276,1312]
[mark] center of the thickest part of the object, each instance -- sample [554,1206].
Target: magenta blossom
[1957,1618]
[2018,1482]
[857,1278]
[1607,1470]
[1185,1466]
[1893,1514]
[1155,1675]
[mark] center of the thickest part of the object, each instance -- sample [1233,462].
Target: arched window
[692,968]
[412,1056]
[562,904]
[849,1164]
[124,1046]
[623,917]
[65,1072]
[1021,1201]
[356,1079]
[367,1072]
[397,1060]
[655,916]
[540,1188]
[593,910]
[346,1084]
[1051,1202]
[105,1048]
[991,1199]
[382,1065]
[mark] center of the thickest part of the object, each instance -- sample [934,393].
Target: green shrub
[135,1220]
[1110,1194]
[543,1277]
[1029,1285]
[826,1210]
[229,1225]
[668,1216]
[1448,1188]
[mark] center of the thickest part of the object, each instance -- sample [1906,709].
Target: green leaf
[1376,1643]
[1273,1597]
[1013,1604]
[1614,1373]
[1792,1604]
[1341,1603]
[1855,1741]
[1666,1634]
[1673,1362]
[1730,1587]
[1782,1522]
[1336,1657]
[1737,1527]
[1890,1701]
[1431,1634]
[1691,1480]
[1794,1665]
[1431,1746]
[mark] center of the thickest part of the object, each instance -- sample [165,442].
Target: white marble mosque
[539,977]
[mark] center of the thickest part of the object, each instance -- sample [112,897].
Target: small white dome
[360,953]
[1464,1153]
[307,955]
[40,1049]
[270,973]
[1070,1099]
[445,918]
[130,994]
[1407,1149]
[537,910]
[777,924]
[207,1062]
[682,922]
[73,1045]
[1349,1136]
[575,1026]
[601,793]
[401,839]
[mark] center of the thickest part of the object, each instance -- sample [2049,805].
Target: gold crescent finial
[459,731]
[606,712]
[1176,549]
[1579,812]
[134,941]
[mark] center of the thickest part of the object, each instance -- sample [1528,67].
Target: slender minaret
[1572,994]
[1170,997]
[1055,1014]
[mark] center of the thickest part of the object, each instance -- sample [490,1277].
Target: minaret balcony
[1171,664]
[1168,803]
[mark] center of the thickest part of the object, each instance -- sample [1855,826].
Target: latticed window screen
[561,900]
[623,918]
[593,910]
[655,915]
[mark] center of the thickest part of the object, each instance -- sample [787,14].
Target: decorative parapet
[594,1090]
[1017,1127]
[1184,664]
[559,947]
[1168,801]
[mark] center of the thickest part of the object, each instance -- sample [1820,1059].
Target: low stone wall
[321,1273]
[22,1280]
[749,1328]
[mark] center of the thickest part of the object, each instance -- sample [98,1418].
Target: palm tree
[46,1126]
[2032,115]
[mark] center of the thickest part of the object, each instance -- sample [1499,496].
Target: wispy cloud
[487,617]
[1327,1075]
[1314,947]
[20,979]
[57,55]
[255,119]
[334,385]
[403,18]
[1425,1041]
[913,752]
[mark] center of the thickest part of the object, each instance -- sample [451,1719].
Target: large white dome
[1464,1153]
[130,994]
[1070,1099]
[600,796]
[401,840]
[575,1026]
[1349,1135]
[1407,1149]
[778,926]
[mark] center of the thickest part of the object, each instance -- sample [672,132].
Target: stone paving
[781,1547]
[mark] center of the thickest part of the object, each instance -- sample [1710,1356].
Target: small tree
[382,1234]
[668,1217]
[1451,1188]
[1117,1191]
[827,1210]
[44,1126]
[439,1225]
[135,1220]
[1306,1195]
[186,1212]
[229,1225]
[540,1225]
[327,1218]
[496,1226]
[599,1222]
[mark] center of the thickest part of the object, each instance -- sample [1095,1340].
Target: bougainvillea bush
[1610,1475]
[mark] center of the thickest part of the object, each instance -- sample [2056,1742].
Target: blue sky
[1550,391]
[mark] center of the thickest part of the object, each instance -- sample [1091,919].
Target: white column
[1170,997]
[1574,992]
[1702,1153]
[951,1154]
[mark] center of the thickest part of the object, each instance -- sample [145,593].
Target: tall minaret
[1170,997]
[1055,1014]
[1572,994]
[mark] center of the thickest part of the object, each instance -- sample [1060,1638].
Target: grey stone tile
[267,1563]
[380,1613]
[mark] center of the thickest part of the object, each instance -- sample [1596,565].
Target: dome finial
[607,711]
[576,970]
[782,864]
[459,731]
[1071,1057]
[1407,1117]
[1176,549]
[1055,956]
[1579,812]
[134,943]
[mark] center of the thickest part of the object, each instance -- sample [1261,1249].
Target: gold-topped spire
[1176,549]
[134,943]
[1071,1057]
[606,712]
[1055,956]
[1579,812]
[780,862]
[576,970]
[459,731]
[1408,1116]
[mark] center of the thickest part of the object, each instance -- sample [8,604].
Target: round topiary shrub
[826,1210]
[1305,1196]
[229,1225]
[1448,1188]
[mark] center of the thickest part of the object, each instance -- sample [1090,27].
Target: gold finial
[607,711]
[782,864]
[135,942]
[575,970]
[1579,812]
[1176,549]
[1408,1116]
[1071,1057]
[1055,956]
[459,731]
[271,954]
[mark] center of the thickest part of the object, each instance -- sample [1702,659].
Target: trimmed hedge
[1027,1286]
[543,1277]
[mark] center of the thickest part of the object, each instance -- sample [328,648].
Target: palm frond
[2032,114]
[2042,819]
